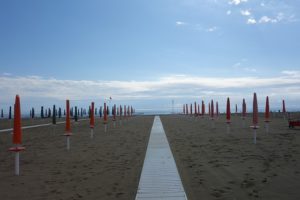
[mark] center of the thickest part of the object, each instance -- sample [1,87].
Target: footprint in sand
[217,193]
[264,180]
[254,193]
[119,194]
[247,183]
[108,193]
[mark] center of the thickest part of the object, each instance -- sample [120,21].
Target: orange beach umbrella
[17,135]
[17,132]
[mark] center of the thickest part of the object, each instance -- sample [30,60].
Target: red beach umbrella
[105,114]
[267,115]
[92,118]
[68,123]
[283,107]
[17,134]
[267,110]
[212,109]
[255,117]
[228,110]
[125,111]
[255,111]
[120,109]
[244,109]
[114,117]
[217,109]
[186,109]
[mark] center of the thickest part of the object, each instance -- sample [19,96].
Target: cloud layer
[181,87]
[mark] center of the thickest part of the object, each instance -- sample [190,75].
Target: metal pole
[92,133]
[68,142]
[267,127]
[17,163]
[228,128]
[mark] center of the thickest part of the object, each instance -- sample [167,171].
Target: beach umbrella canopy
[17,131]
[228,110]
[244,108]
[92,119]
[255,110]
[267,110]
[68,123]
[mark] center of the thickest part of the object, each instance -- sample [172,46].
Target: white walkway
[159,178]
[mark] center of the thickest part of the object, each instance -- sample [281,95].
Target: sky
[148,53]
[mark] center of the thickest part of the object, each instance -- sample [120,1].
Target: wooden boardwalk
[159,178]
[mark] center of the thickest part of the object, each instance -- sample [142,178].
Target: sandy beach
[212,163]
[217,165]
[105,167]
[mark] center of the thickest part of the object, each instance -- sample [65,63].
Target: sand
[106,167]
[212,163]
[217,165]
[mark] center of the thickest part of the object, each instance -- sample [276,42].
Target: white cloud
[250,69]
[245,12]
[291,73]
[266,19]
[239,66]
[265,12]
[170,85]
[180,23]
[197,27]
[251,21]
[237,2]
[228,12]
[285,18]
[212,29]
[280,17]
[47,91]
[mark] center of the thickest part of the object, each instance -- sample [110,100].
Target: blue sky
[150,51]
